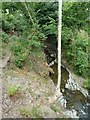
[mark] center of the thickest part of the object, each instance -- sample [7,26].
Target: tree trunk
[57,92]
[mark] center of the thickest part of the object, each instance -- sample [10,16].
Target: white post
[59,44]
[0,65]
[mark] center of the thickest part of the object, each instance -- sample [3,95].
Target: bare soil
[35,88]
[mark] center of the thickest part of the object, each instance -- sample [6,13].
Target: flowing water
[75,99]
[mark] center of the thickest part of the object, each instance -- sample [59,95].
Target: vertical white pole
[59,43]
[1,65]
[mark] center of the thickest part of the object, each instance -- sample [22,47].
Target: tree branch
[31,19]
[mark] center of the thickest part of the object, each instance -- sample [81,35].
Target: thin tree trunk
[59,44]
[57,92]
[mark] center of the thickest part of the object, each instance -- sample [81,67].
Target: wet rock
[72,113]
[63,101]
[53,62]
[52,55]
[82,114]
[84,92]
[71,84]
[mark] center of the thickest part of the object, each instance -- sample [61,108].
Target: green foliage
[50,28]
[35,112]
[13,18]
[81,60]
[22,47]
[48,17]
[20,53]
[66,37]
[81,63]
[54,108]
[28,37]
[76,52]
[75,36]
[5,37]
[30,113]
[75,14]
[19,60]
[18,30]
[34,44]
[12,90]
[87,83]
[25,112]
[82,40]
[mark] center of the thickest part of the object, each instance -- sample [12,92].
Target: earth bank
[34,87]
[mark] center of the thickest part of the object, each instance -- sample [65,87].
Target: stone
[72,113]
[63,101]
[71,84]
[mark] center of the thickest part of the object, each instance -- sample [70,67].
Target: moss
[12,90]
[34,113]
[25,112]
[54,108]
[87,84]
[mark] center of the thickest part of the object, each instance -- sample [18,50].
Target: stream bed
[76,102]
[74,98]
